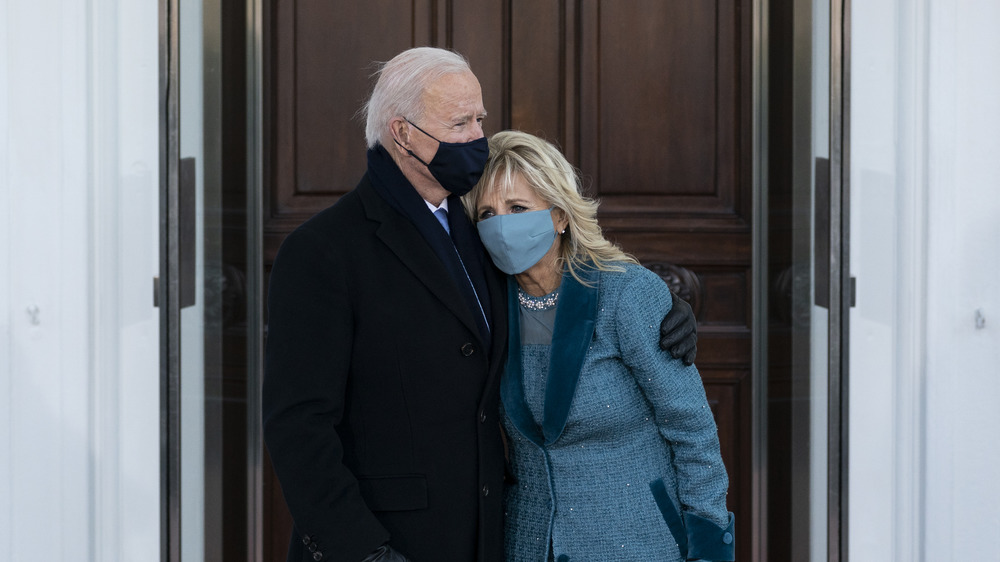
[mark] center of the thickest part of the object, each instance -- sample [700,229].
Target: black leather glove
[385,553]
[679,331]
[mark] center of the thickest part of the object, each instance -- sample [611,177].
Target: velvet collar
[576,318]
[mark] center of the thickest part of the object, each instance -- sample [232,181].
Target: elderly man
[386,341]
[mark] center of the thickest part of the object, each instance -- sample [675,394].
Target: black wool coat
[380,400]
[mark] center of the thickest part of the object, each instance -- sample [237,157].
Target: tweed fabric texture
[637,415]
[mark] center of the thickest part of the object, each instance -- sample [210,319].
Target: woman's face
[520,255]
[520,198]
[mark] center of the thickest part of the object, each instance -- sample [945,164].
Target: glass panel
[192,329]
[799,279]
[213,327]
[819,255]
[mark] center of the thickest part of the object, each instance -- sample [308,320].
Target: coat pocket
[394,493]
[670,514]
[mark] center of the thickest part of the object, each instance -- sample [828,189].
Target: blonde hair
[554,179]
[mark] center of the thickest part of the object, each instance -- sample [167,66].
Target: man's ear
[400,131]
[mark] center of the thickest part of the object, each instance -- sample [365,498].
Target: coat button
[482,416]
[306,539]
[486,490]
[317,556]
[468,349]
[312,547]
[727,538]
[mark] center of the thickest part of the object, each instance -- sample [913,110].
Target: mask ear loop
[410,152]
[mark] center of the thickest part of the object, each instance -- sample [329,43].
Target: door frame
[838,281]
[168,285]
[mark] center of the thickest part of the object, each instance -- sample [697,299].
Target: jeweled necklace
[537,303]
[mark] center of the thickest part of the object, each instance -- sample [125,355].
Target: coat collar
[406,242]
[576,317]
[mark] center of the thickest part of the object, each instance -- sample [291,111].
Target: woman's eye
[517,209]
[485,215]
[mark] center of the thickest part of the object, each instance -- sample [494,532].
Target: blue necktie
[442,216]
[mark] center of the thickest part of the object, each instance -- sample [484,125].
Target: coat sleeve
[308,356]
[683,418]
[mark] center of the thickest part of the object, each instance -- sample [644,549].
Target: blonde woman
[613,448]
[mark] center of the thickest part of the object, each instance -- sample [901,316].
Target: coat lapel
[408,245]
[511,385]
[576,317]
[496,283]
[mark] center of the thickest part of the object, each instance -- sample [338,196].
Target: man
[386,340]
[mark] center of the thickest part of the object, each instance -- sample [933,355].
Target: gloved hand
[679,331]
[385,553]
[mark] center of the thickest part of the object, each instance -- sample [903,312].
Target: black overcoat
[379,399]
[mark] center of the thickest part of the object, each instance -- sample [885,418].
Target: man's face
[454,114]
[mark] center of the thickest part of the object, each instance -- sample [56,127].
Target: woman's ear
[560,220]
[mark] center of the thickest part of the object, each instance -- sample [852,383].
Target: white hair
[399,90]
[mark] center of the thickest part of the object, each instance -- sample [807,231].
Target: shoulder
[347,208]
[633,279]
[323,235]
[335,221]
[632,298]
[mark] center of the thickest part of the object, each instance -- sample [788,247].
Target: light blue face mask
[516,242]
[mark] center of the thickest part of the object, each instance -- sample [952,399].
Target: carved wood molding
[682,282]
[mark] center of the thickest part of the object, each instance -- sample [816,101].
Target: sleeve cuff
[708,541]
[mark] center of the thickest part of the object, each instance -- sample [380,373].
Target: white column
[6,312]
[137,380]
[888,248]
[925,246]
[48,459]
[79,431]
[963,240]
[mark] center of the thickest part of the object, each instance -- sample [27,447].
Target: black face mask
[456,166]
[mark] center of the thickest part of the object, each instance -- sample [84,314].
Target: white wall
[963,362]
[79,476]
[925,246]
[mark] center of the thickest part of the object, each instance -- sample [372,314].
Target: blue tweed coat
[612,444]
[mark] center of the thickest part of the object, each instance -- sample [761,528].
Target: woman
[613,448]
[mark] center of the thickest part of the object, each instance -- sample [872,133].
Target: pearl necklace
[537,303]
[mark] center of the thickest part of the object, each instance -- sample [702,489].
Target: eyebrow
[505,202]
[458,116]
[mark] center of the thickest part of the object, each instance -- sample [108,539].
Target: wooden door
[650,99]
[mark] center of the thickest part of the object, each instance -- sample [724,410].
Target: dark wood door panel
[650,99]
[662,97]
[730,397]
[320,59]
